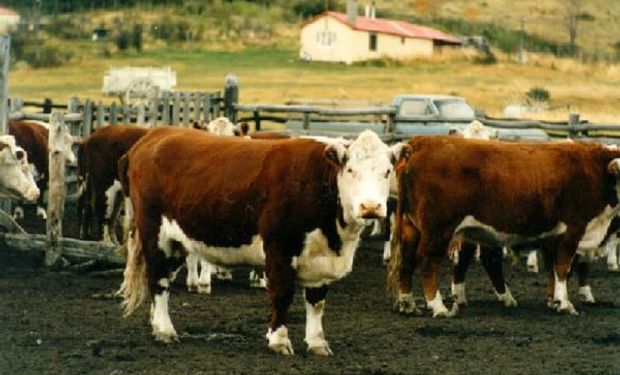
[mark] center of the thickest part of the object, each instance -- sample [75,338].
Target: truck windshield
[455,109]
[415,108]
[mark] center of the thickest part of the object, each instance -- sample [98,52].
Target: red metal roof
[394,27]
[7,12]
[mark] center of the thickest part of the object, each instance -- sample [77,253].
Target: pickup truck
[417,115]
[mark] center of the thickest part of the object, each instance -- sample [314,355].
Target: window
[325,38]
[454,109]
[372,42]
[402,40]
[414,107]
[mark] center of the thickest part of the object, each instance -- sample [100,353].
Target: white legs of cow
[200,284]
[613,251]
[315,338]
[532,262]
[163,330]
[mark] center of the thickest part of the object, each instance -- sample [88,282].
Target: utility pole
[521,58]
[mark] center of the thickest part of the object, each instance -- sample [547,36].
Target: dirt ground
[68,323]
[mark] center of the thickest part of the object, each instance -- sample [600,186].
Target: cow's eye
[349,170]
[19,155]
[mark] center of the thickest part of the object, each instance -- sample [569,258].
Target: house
[9,19]
[339,37]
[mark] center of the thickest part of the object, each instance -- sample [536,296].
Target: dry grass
[275,76]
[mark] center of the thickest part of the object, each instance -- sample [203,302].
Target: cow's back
[447,178]
[33,138]
[222,191]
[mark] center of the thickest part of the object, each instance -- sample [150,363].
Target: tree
[572,13]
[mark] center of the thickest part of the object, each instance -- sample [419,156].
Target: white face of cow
[16,178]
[476,130]
[364,176]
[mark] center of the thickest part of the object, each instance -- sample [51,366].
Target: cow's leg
[315,306]
[164,264]
[432,251]
[222,273]
[532,262]
[387,238]
[612,253]
[491,259]
[548,259]
[377,227]
[281,276]
[191,281]
[563,257]
[113,220]
[18,213]
[111,197]
[465,256]
[581,267]
[204,281]
[258,279]
[407,246]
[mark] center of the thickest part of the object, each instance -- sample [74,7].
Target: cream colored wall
[8,23]
[352,45]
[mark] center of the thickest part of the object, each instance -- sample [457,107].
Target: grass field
[275,76]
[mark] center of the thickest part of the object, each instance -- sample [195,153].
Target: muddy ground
[68,323]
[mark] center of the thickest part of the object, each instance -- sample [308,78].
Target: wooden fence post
[231,97]
[87,121]
[186,109]
[112,120]
[306,121]
[573,125]
[100,115]
[176,108]
[141,114]
[56,192]
[154,112]
[165,113]
[5,46]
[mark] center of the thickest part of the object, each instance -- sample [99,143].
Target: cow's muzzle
[370,210]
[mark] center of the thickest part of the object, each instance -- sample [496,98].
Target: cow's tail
[123,168]
[134,288]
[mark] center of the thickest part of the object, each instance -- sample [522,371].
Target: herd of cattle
[296,207]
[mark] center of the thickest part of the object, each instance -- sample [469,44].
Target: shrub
[538,94]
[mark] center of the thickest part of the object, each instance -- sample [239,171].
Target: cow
[33,137]
[98,157]
[296,206]
[557,197]
[474,130]
[16,178]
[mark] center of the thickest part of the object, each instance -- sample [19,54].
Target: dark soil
[69,323]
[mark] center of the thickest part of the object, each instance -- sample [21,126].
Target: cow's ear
[400,151]
[243,128]
[453,131]
[336,154]
[614,167]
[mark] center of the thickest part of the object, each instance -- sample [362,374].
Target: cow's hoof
[507,298]
[567,308]
[204,289]
[279,341]
[192,288]
[166,337]
[320,351]
[586,296]
[407,307]
[532,269]
[613,267]
[442,313]
[224,275]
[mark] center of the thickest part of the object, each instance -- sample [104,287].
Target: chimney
[352,11]
[372,10]
[367,11]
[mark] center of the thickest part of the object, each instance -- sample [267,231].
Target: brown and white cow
[297,206]
[557,197]
[32,136]
[16,179]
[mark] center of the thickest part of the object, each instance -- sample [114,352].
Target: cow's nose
[370,210]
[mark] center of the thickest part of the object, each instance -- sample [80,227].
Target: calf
[16,179]
[297,206]
[33,137]
[508,194]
